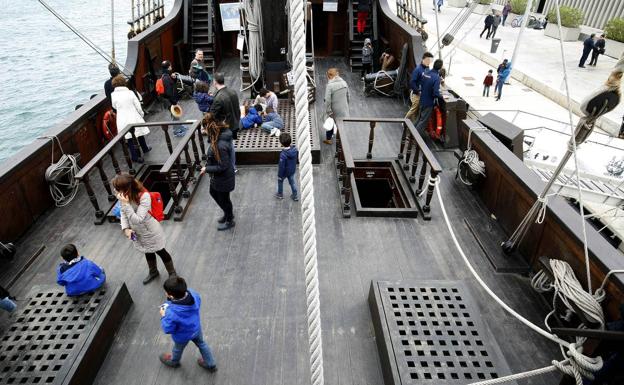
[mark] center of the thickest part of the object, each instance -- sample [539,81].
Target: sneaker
[203,364]
[222,219]
[277,132]
[235,171]
[273,132]
[295,198]
[148,150]
[226,225]
[279,196]
[165,358]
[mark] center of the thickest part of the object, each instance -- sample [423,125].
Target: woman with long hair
[219,166]
[139,225]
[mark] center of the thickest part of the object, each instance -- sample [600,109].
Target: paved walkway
[537,86]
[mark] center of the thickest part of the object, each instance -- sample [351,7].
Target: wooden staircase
[202,31]
[356,43]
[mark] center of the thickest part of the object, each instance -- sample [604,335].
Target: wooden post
[412,177]
[347,192]
[165,129]
[410,141]
[201,143]
[430,187]
[174,195]
[423,172]
[114,161]
[98,213]
[371,140]
[195,151]
[124,147]
[338,144]
[403,141]
[105,182]
[181,179]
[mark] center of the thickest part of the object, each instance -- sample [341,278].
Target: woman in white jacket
[129,111]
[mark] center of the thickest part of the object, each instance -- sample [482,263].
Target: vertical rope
[573,142]
[298,30]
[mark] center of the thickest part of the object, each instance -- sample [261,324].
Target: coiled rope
[60,175]
[471,159]
[576,363]
[298,37]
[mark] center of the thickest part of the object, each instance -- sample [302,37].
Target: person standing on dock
[415,85]
[495,23]
[487,25]
[140,226]
[336,100]
[220,168]
[503,74]
[429,95]
[588,46]
[487,83]
[506,10]
[226,108]
[599,49]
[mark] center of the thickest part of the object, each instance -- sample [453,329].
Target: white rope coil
[471,159]
[60,175]
[298,37]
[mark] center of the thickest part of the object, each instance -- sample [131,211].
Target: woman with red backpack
[141,212]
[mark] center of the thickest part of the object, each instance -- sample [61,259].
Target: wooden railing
[178,179]
[413,155]
[410,11]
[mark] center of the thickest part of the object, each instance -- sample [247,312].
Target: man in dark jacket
[415,85]
[599,49]
[489,20]
[429,94]
[171,96]
[496,20]
[588,46]
[108,85]
[226,107]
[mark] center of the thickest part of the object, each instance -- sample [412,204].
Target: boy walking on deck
[78,274]
[287,167]
[180,318]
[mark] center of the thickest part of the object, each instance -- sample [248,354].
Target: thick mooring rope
[298,37]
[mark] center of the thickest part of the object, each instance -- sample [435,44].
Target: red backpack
[157,210]
[160,86]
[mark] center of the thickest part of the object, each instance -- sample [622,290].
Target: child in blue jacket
[180,318]
[287,167]
[202,97]
[77,273]
[252,117]
[273,123]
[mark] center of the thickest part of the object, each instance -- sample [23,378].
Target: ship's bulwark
[252,280]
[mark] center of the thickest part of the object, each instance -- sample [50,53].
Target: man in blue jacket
[503,75]
[287,167]
[180,318]
[429,94]
[588,46]
[415,85]
[77,273]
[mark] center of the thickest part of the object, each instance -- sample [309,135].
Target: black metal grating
[437,336]
[47,335]
[255,139]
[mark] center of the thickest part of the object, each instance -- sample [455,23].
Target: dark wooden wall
[24,193]
[510,189]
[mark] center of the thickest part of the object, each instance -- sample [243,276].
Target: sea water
[46,70]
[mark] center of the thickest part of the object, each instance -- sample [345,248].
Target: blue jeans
[7,304]
[329,134]
[423,120]
[268,126]
[204,349]
[291,181]
[134,153]
[499,88]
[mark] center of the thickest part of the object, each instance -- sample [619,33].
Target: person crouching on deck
[287,167]
[78,274]
[273,123]
[250,117]
[180,318]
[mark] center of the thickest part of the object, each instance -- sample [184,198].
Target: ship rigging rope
[298,37]
[252,33]
[60,175]
[85,39]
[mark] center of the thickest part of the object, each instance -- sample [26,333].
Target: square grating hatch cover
[430,332]
[56,339]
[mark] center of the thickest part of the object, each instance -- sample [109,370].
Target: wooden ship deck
[252,281]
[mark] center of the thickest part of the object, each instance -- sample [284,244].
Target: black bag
[7,250]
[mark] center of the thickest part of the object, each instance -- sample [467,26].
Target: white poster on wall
[230,17]
[330,6]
